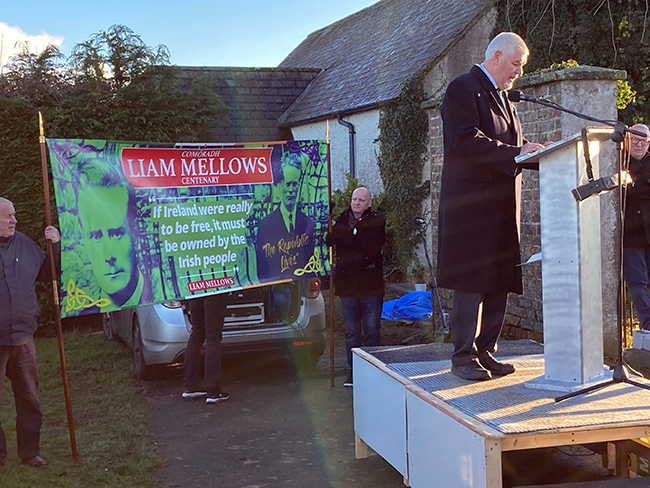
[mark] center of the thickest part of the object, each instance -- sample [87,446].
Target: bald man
[22,262]
[636,238]
[359,234]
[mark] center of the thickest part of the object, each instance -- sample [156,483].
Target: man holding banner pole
[22,262]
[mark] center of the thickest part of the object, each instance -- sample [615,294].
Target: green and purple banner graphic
[145,223]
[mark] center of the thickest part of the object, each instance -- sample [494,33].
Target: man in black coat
[359,235]
[478,247]
[636,240]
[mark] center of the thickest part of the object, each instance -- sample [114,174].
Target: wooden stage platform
[439,430]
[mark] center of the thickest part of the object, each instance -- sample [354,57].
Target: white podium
[571,264]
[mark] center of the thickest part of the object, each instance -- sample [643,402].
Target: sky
[248,33]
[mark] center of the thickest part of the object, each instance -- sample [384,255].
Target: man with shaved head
[636,239]
[359,234]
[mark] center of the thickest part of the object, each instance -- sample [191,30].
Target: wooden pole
[331,255]
[55,289]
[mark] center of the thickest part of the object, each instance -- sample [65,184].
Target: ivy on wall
[609,34]
[403,137]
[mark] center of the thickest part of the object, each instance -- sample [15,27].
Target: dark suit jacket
[637,208]
[285,252]
[478,243]
[359,270]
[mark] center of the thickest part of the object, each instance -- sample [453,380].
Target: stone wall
[587,90]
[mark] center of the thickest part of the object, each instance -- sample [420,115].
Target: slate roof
[256,98]
[367,56]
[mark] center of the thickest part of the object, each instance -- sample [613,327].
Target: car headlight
[172,304]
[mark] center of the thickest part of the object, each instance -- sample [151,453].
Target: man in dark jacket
[636,240]
[359,235]
[22,262]
[478,247]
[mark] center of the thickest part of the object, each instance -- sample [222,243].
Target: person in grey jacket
[22,262]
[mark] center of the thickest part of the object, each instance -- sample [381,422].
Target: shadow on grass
[113,441]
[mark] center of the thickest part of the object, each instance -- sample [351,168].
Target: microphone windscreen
[514,95]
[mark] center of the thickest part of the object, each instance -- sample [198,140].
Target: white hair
[508,43]
[364,188]
[4,201]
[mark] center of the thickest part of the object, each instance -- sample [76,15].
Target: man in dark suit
[285,237]
[478,246]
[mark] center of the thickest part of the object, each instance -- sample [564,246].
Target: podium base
[544,383]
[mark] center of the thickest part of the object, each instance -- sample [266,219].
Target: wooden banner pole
[55,289]
[331,255]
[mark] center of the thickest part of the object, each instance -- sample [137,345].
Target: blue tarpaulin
[413,306]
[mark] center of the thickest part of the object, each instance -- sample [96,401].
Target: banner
[145,223]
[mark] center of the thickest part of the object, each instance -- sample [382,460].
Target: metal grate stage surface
[507,406]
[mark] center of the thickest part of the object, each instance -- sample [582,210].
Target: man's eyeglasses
[638,141]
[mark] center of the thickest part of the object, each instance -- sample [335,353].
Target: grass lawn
[113,442]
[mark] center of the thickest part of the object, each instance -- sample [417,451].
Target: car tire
[143,371]
[107,324]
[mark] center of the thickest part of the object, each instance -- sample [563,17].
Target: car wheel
[143,371]
[108,326]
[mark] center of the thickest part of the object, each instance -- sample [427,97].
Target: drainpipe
[350,127]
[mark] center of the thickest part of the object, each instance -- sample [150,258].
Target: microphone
[595,187]
[517,96]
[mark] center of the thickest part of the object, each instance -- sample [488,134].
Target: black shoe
[472,371]
[221,397]
[495,367]
[348,380]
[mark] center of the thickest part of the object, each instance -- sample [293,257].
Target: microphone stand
[620,370]
[444,326]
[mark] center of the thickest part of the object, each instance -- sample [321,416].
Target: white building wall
[366,147]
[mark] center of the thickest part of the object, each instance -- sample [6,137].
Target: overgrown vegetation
[113,86]
[596,33]
[403,128]
[114,445]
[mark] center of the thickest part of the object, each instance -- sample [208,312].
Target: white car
[280,316]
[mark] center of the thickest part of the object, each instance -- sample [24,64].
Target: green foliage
[593,33]
[110,417]
[113,87]
[569,63]
[403,128]
[117,55]
[625,95]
